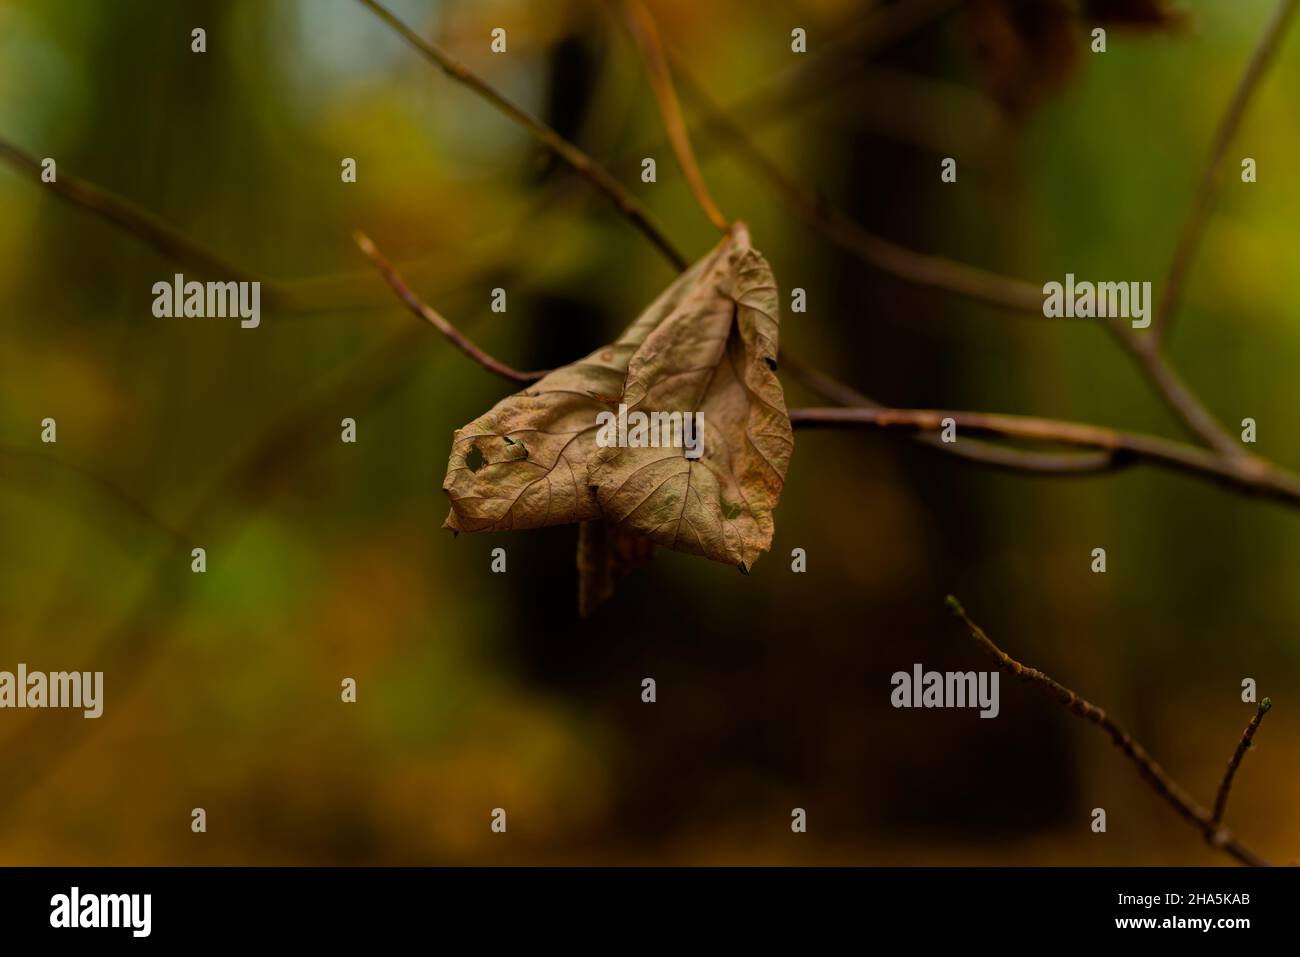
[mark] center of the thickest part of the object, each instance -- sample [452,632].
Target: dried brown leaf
[714,355]
[708,344]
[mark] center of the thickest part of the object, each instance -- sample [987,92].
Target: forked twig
[123,213]
[429,315]
[643,29]
[1213,831]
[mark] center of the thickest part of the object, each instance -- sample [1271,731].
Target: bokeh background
[478,690]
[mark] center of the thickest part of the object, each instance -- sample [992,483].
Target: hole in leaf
[474,459]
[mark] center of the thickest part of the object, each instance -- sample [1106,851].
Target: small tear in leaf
[474,459]
[516,450]
[771,363]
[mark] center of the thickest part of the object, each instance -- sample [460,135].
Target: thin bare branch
[1249,475]
[427,313]
[1244,745]
[644,30]
[596,174]
[1154,775]
[1208,191]
[974,450]
[1178,398]
[167,240]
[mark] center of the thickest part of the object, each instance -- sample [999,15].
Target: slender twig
[1244,745]
[1177,396]
[643,29]
[427,313]
[596,174]
[121,212]
[1154,775]
[1252,476]
[1211,180]
[975,450]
